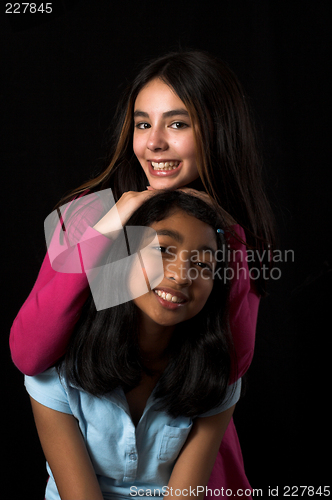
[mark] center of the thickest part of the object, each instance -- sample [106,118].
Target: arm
[195,462]
[40,333]
[66,454]
[243,306]
[42,328]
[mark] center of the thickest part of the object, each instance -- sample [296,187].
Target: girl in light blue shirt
[139,404]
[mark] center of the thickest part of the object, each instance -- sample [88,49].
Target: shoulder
[49,390]
[66,226]
[235,235]
[88,207]
[232,397]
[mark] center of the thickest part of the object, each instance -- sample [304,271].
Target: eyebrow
[166,114]
[178,237]
[169,232]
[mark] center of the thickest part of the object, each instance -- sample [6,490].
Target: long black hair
[228,158]
[103,351]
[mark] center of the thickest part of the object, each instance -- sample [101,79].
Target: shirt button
[133,456]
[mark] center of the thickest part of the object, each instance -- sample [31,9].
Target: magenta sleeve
[42,327]
[244,304]
[41,330]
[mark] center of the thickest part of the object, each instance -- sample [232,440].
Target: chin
[165,184]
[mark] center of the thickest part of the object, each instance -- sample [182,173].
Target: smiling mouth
[167,165]
[169,297]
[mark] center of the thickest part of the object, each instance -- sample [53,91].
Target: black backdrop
[63,73]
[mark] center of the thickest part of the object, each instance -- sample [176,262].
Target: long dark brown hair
[228,161]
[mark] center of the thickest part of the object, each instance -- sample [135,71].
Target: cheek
[189,148]
[138,283]
[202,293]
[138,146]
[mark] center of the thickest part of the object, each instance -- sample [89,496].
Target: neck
[153,343]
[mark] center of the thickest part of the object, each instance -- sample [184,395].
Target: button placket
[131,454]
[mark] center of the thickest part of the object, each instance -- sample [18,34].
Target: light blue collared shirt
[129,461]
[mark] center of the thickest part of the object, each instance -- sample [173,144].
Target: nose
[179,272]
[157,140]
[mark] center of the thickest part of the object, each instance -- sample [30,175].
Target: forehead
[187,231]
[157,93]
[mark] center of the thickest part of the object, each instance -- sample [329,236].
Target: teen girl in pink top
[183,123]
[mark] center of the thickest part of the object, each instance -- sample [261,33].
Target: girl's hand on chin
[121,212]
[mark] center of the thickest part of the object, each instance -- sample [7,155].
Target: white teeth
[167,296]
[167,165]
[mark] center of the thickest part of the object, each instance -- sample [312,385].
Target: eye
[204,265]
[160,248]
[142,125]
[178,125]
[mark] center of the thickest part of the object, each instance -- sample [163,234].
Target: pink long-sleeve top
[42,328]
